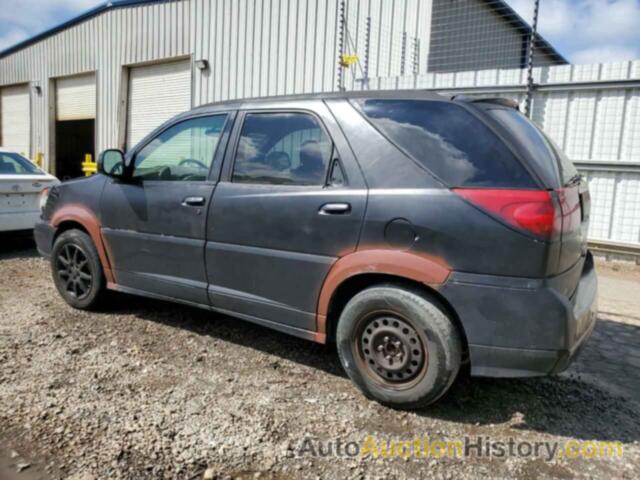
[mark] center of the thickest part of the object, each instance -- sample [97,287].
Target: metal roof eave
[503,8]
[103,7]
[509,12]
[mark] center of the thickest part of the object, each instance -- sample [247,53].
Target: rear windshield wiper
[577,178]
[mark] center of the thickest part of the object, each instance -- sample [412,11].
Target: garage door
[15,119]
[156,93]
[76,98]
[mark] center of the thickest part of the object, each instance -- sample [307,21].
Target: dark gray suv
[417,232]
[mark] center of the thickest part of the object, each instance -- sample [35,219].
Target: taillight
[44,196]
[531,210]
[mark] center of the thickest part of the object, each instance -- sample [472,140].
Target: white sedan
[23,188]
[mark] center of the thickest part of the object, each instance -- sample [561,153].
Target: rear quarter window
[450,142]
[543,151]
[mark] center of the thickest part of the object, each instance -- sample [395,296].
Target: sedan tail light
[44,196]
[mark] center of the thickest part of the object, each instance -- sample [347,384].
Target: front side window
[283,149]
[14,164]
[183,152]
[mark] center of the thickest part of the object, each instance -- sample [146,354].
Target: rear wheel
[398,346]
[76,269]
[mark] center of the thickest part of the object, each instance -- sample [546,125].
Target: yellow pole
[88,166]
[40,159]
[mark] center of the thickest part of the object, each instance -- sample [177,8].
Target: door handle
[193,202]
[335,209]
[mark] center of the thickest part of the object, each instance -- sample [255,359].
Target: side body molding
[419,267]
[86,218]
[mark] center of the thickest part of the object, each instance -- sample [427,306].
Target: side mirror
[111,163]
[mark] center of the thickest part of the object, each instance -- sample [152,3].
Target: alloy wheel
[74,271]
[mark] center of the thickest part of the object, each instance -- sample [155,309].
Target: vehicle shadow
[229,329]
[555,405]
[17,245]
[596,399]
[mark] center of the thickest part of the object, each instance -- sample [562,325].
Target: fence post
[416,56]
[532,45]
[367,46]
[403,53]
[341,45]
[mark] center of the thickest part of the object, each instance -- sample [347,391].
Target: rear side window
[449,141]
[544,151]
[282,149]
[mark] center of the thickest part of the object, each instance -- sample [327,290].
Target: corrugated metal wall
[468,33]
[390,38]
[102,44]
[591,111]
[254,48]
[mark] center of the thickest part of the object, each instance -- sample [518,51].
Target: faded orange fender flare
[419,267]
[86,218]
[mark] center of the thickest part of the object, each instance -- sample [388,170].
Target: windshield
[543,150]
[15,164]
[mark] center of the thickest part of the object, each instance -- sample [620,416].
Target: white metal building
[106,78]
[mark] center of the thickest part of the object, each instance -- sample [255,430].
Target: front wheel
[76,269]
[398,346]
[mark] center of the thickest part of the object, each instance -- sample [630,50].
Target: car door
[291,200]
[154,223]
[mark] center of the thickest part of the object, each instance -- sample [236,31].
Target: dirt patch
[618,270]
[147,389]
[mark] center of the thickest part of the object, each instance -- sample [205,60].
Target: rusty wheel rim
[391,350]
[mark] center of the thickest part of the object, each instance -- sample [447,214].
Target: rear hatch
[490,155]
[557,175]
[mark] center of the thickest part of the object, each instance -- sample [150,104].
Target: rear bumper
[10,222]
[524,327]
[43,234]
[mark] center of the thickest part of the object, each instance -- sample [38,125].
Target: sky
[584,31]
[588,31]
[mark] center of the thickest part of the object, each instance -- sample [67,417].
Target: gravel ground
[146,389]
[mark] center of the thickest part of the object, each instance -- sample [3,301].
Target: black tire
[76,246]
[378,335]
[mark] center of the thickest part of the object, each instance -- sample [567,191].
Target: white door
[156,93]
[15,119]
[76,98]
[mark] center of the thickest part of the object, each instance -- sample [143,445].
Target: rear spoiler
[505,102]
